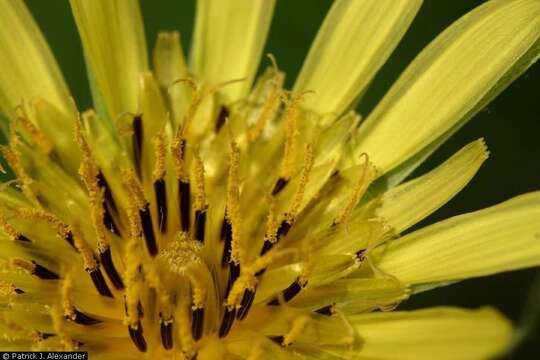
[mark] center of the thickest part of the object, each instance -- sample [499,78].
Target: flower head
[199,212]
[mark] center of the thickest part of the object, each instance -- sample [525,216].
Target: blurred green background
[510,124]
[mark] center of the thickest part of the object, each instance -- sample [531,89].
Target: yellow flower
[196,212]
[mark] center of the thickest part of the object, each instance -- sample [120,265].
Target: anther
[100,283]
[184,194]
[245,305]
[34,269]
[166,331]
[227,321]
[277,339]
[148,229]
[136,335]
[360,255]
[137,142]
[289,293]
[222,117]
[107,193]
[200,223]
[161,203]
[81,318]
[234,273]
[107,262]
[327,310]
[280,185]
[197,323]
[226,236]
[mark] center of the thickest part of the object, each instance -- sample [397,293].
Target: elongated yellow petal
[354,41]
[405,205]
[456,75]
[228,42]
[28,66]
[170,66]
[112,35]
[500,238]
[437,333]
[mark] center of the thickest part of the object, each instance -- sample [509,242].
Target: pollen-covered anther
[301,189]
[34,268]
[233,201]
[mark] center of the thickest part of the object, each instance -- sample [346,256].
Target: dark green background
[510,124]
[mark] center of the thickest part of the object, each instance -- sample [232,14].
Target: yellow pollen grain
[200,196]
[297,328]
[233,201]
[198,292]
[300,190]
[134,188]
[160,151]
[365,179]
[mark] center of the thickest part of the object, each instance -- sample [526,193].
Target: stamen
[148,230]
[108,204]
[137,143]
[290,117]
[160,188]
[83,319]
[245,305]
[222,117]
[102,183]
[34,269]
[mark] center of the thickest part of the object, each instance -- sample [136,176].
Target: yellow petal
[500,238]
[437,333]
[228,42]
[407,204]
[113,40]
[455,76]
[170,66]
[354,41]
[28,66]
